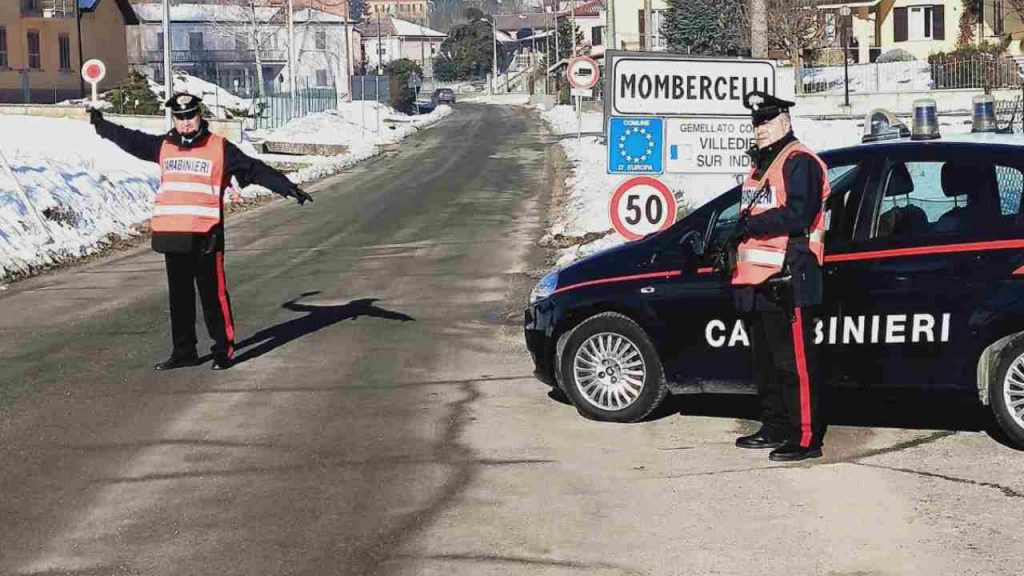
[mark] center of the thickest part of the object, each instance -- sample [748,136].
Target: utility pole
[81,55]
[168,79]
[758,28]
[610,26]
[291,52]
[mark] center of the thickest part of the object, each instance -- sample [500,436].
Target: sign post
[583,74]
[93,72]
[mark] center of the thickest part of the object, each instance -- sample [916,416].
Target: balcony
[219,56]
[48,8]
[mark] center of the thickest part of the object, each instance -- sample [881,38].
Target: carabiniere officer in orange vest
[777,277]
[196,167]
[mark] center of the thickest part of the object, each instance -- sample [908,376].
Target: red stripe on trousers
[805,385]
[229,327]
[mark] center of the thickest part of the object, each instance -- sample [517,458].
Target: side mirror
[694,240]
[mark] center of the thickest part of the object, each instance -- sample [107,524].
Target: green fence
[274,110]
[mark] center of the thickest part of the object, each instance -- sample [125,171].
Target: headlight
[545,287]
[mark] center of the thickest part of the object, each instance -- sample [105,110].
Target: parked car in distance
[443,96]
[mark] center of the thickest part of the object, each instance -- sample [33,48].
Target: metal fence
[914,75]
[275,109]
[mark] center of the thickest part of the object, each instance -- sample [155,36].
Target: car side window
[841,180]
[931,198]
[727,218]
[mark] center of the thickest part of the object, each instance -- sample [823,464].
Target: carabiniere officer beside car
[776,271]
[196,167]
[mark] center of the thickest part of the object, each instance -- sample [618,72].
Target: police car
[924,285]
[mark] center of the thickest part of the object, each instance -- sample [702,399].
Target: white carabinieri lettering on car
[874,329]
[193,166]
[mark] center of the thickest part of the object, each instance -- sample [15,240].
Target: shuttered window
[938,22]
[643,30]
[899,20]
[35,60]
[4,63]
[64,44]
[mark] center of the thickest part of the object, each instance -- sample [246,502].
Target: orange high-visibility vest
[758,259]
[189,199]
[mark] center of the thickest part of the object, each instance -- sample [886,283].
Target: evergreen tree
[134,96]
[403,97]
[466,52]
[704,27]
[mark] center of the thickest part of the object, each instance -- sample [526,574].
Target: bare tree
[795,27]
[757,31]
[253,24]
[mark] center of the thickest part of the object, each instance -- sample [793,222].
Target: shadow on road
[906,410]
[316,318]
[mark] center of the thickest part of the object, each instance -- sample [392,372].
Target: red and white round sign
[583,72]
[642,205]
[94,71]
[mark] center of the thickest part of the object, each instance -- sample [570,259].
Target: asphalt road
[383,419]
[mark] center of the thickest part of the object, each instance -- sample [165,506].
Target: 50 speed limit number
[640,206]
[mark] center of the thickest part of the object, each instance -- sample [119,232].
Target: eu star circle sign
[583,72]
[94,71]
[642,205]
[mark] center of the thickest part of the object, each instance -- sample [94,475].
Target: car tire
[610,370]
[1006,387]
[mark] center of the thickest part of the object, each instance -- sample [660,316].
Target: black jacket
[246,169]
[804,181]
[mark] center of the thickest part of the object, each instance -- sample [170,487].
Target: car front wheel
[1006,394]
[610,370]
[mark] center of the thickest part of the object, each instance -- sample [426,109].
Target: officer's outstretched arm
[249,170]
[803,179]
[139,144]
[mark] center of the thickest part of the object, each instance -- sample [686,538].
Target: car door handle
[647,290]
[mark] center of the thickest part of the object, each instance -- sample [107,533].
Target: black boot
[178,360]
[222,363]
[793,453]
[760,439]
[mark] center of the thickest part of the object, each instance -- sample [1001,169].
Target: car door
[919,266]
[702,342]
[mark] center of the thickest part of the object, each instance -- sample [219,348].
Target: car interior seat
[901,220]
[978,184]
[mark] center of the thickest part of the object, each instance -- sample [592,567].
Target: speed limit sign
[640,206]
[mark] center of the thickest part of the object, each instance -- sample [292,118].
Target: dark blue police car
[924,289]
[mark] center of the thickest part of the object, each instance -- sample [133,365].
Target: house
[387,39]
[414,10]
[590,19]
[43,44]
[217,43]
[630,28]
[920,27]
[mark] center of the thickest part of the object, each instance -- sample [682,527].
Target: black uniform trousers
[787,374]
[203,271]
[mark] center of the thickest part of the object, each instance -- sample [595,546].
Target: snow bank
[562,120]
[87,188]
[351,125]
[219,101]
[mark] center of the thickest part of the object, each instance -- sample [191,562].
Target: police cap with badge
[184,106]
[764,107]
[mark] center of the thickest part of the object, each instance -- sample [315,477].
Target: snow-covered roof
[406,28]
[220,13]
[525,21]
[395,27]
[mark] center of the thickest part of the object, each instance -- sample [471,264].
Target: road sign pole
[579,117]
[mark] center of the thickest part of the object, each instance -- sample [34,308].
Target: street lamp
[844,11]
[494,52]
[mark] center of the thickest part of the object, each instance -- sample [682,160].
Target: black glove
[301,196]
[740,232]
[95,116]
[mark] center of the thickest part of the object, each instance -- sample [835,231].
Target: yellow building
[920,27]
[43,44]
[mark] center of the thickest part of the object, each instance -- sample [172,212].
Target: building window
[35,60]
[64,42]
[241,43]
[4,63]
[29,5]
[321,40]
[658,42]
[159,41]
[595,33]
[998,18]
[195,41]
[321,78]
[919,23]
